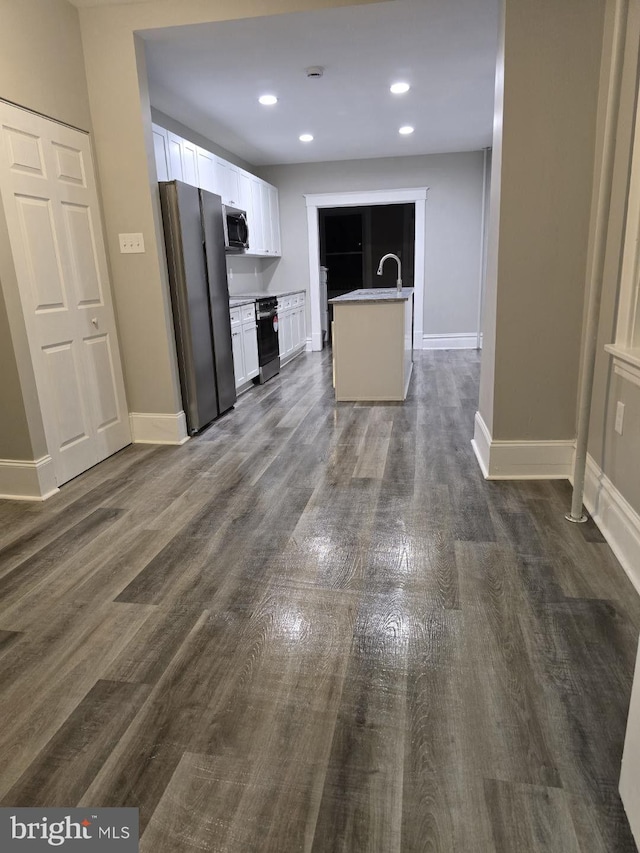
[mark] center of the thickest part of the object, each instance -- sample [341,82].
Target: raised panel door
[49,197]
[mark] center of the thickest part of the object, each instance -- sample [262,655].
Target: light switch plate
[619,417]
[131,244]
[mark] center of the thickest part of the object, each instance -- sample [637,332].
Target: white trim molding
[359,198]
[27,479]
[150,428]
[456,340]
[521,460]
[617,519]
[626,362]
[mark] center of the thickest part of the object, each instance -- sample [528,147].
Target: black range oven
[268,351]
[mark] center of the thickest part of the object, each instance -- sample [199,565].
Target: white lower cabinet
[244,338]
[292,336]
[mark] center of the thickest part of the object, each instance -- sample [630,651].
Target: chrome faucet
[397,260]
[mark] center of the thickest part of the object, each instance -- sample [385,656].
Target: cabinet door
[228,181]
[161,151]
[176,172]
[250,349]
[244,191]
[302,321]
[189,163]
[274,219]
[265,207]
[205,162]
[238,355]
[256,233]
[288,332]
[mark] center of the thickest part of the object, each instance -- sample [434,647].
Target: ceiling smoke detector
[314,71]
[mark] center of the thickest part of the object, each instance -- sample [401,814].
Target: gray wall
[541,188]
[42,68]
[454,208]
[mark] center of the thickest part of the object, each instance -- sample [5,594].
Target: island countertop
[379,294]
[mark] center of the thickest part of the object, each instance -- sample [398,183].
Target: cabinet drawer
[235,314]
[284,303]
[248,312]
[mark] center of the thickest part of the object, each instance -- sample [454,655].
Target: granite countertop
[245,298]
[379,294]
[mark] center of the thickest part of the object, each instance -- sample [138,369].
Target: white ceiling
[210,76]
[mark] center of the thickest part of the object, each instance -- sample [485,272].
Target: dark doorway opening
[353,239]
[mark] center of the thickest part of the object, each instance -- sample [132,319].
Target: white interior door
[49,197]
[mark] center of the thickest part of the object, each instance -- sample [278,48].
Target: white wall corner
[616,518]
[27,479]
[456,340]
[150,428]
[481,444]
[521,460]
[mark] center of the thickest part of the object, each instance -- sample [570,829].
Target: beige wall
[120,114]
[618,456]
[42,68]
[41,62]
[537,270]
[452,231]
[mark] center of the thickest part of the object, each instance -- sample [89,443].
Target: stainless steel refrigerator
[194,240]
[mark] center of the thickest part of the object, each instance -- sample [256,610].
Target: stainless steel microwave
[236,229]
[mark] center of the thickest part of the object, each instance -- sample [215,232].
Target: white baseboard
[521,460]
[454,341]
[309,345]
[27,479]
[616,518]
[149,428]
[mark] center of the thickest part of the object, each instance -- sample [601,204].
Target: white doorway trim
[361,198]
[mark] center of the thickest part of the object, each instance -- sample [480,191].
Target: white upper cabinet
[189,163]
[228,182]
[179,159]
[274,219]
[256,229]
[176,172]
[206,170]
[161,151]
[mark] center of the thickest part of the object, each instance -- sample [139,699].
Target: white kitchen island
[372,344]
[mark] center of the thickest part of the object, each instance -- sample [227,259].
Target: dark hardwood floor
[317,628]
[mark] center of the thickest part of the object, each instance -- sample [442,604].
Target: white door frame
[365,198]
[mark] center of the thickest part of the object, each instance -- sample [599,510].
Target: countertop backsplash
[244,275]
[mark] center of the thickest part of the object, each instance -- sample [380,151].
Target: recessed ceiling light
[400,88]
[268,100]
[407,129]
[305,137]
